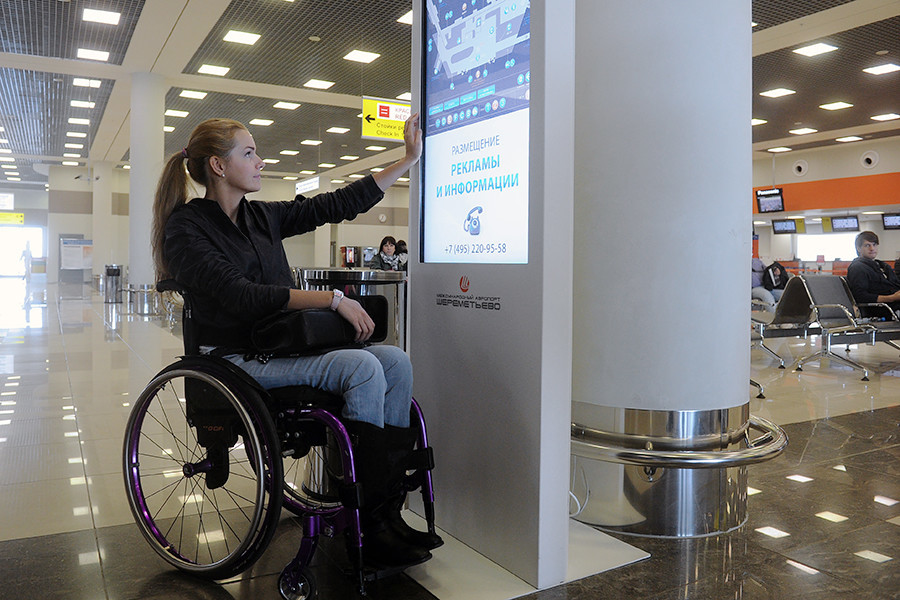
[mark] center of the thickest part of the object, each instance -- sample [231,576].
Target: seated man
[872,280]
[757,290]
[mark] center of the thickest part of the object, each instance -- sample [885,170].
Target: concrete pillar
[662,246]
[148,94]
[103,225]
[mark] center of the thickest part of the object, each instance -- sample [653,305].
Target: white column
[148,93]
[102,223]
[662,210]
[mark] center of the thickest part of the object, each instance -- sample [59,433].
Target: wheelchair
[211,458]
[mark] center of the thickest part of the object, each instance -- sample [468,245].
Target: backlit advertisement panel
[476,80]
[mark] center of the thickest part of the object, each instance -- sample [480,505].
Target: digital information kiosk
[490,315]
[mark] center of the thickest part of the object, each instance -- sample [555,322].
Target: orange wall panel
[847,192]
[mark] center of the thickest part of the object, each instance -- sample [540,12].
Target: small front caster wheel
[297,586]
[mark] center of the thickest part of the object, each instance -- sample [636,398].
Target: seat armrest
[869,310]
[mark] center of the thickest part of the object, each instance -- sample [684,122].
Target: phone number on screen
[455,249]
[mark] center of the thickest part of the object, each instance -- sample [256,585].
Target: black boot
[382,547]
[400,443]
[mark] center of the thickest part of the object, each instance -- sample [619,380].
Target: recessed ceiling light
[177,113]
[100,16]
[772,532]
[376,148]
[71,155]
[848,138]
[355,176]
[885,500]
[403,179]
[337,181]
[886,117]
[337,130]
[261,122]
[816,49]
[168,128]
[213,70]
[405,96]
[326,165]
[286,105]
[8,166]
[271,161]
[873,556]
[16,178]
[779,149]
[872,212]
[81,104]
[290,178]
[192,94]
[376,169]
[76,121]
[349,157]
[318,84]
[882,69]
[806,569]
[70,163]
[361,56]
[757,121]
[835,105]
[311,142]
[307,172]
[314,38]
[753,23]
[126,166]
[407,18]
[777,93]
[803,131]
[290,152]
[76,134]
[12,173]
[6,159]
[241,37]
[5,151]
[92,54]
[82,82]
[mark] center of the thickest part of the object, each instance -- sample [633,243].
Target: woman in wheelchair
[228,253]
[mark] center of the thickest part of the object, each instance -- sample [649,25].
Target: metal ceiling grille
[769,13]
[55,29]
[284,55]
[831,77]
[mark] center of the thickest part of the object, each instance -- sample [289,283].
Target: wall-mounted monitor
[770,200]
[784,226]
[891,220]
[840,224]
[476,79]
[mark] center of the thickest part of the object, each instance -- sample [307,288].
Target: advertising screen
[769,200]
[475,80]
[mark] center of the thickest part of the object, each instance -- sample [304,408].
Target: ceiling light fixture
[76,121]
[286,105]
[318,84]
[848,138]
[376,148]
[886,117]
[241,37]
[349,157]
[337,130]
[882,69]
[289,152]
[168,128]
[326,165]
[816,49]
[76,134]
[405,96]
[803,131]
[835,105]
[82,82]
[779,149]
[81,104]
[311,142]
[192,94]
[777,93]
[406,19]
[92,54]
[100,16]
[213,70]
[177,113]
[307,172]
[271,161]
[261,122]
[757,121]
[361,56]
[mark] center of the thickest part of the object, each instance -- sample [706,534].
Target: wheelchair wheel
[202,469]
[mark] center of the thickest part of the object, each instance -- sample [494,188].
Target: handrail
[769,445]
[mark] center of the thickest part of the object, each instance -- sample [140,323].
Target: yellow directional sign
[8,218]
[383,119]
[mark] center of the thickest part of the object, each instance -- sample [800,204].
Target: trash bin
[145,299]
[364,282]
[112,284]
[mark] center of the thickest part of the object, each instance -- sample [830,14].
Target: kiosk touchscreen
[475,95]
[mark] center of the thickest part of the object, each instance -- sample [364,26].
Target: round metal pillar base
[626,474]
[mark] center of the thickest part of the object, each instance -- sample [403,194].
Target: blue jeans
[375,382]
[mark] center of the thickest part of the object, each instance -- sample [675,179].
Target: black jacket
[240,273]
[869,279]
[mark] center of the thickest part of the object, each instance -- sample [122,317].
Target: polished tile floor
[824,517]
